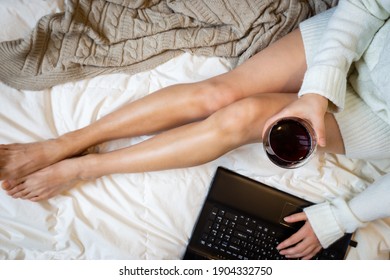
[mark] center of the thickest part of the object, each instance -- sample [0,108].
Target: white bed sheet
[147,215]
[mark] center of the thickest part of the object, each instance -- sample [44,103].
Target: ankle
[88,167]
[73,143]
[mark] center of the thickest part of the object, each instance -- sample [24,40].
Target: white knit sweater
[350,31]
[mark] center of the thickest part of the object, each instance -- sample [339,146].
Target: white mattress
[147,215]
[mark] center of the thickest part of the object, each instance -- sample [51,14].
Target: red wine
[289,142]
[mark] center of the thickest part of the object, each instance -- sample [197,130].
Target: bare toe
[45,183]
[6,185]
[14,187]
[18,160]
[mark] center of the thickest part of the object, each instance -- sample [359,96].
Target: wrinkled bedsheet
[146,215]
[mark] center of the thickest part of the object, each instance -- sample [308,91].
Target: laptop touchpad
[288,210]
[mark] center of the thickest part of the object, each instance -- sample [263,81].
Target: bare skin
[18,160]
[158,112]
[218,115]
[205,109]
[307,243]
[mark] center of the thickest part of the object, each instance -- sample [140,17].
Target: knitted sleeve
[348,34]
[331,219]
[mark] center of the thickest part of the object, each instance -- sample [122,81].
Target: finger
[319,128]
[312,254]
[297,217]
[293,239]
[305,248]
[281,114]
[268,124]
[302,249]
[306,254]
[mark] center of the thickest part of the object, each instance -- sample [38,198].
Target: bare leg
[279,68]
[189,145]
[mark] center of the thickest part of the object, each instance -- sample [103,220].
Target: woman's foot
[45,183]
[19,160]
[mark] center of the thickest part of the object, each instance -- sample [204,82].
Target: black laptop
[243,219]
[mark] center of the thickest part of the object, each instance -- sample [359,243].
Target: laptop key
[240,235]
[231,216]
[234,234]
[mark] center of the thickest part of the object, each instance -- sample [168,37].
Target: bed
[145,216]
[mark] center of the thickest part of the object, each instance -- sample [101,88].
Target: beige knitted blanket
[93,37]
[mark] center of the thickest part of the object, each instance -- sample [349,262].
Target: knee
[243,121]
[214,95]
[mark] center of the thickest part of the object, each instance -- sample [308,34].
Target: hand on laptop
[304,244]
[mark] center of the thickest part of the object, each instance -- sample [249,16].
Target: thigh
[279,68]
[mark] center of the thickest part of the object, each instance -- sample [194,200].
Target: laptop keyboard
[236,236]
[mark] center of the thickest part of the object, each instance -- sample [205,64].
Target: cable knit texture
[108,36]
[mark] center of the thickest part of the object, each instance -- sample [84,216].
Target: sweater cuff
[345,216]
[331,220]
[324,224]
[327,81]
